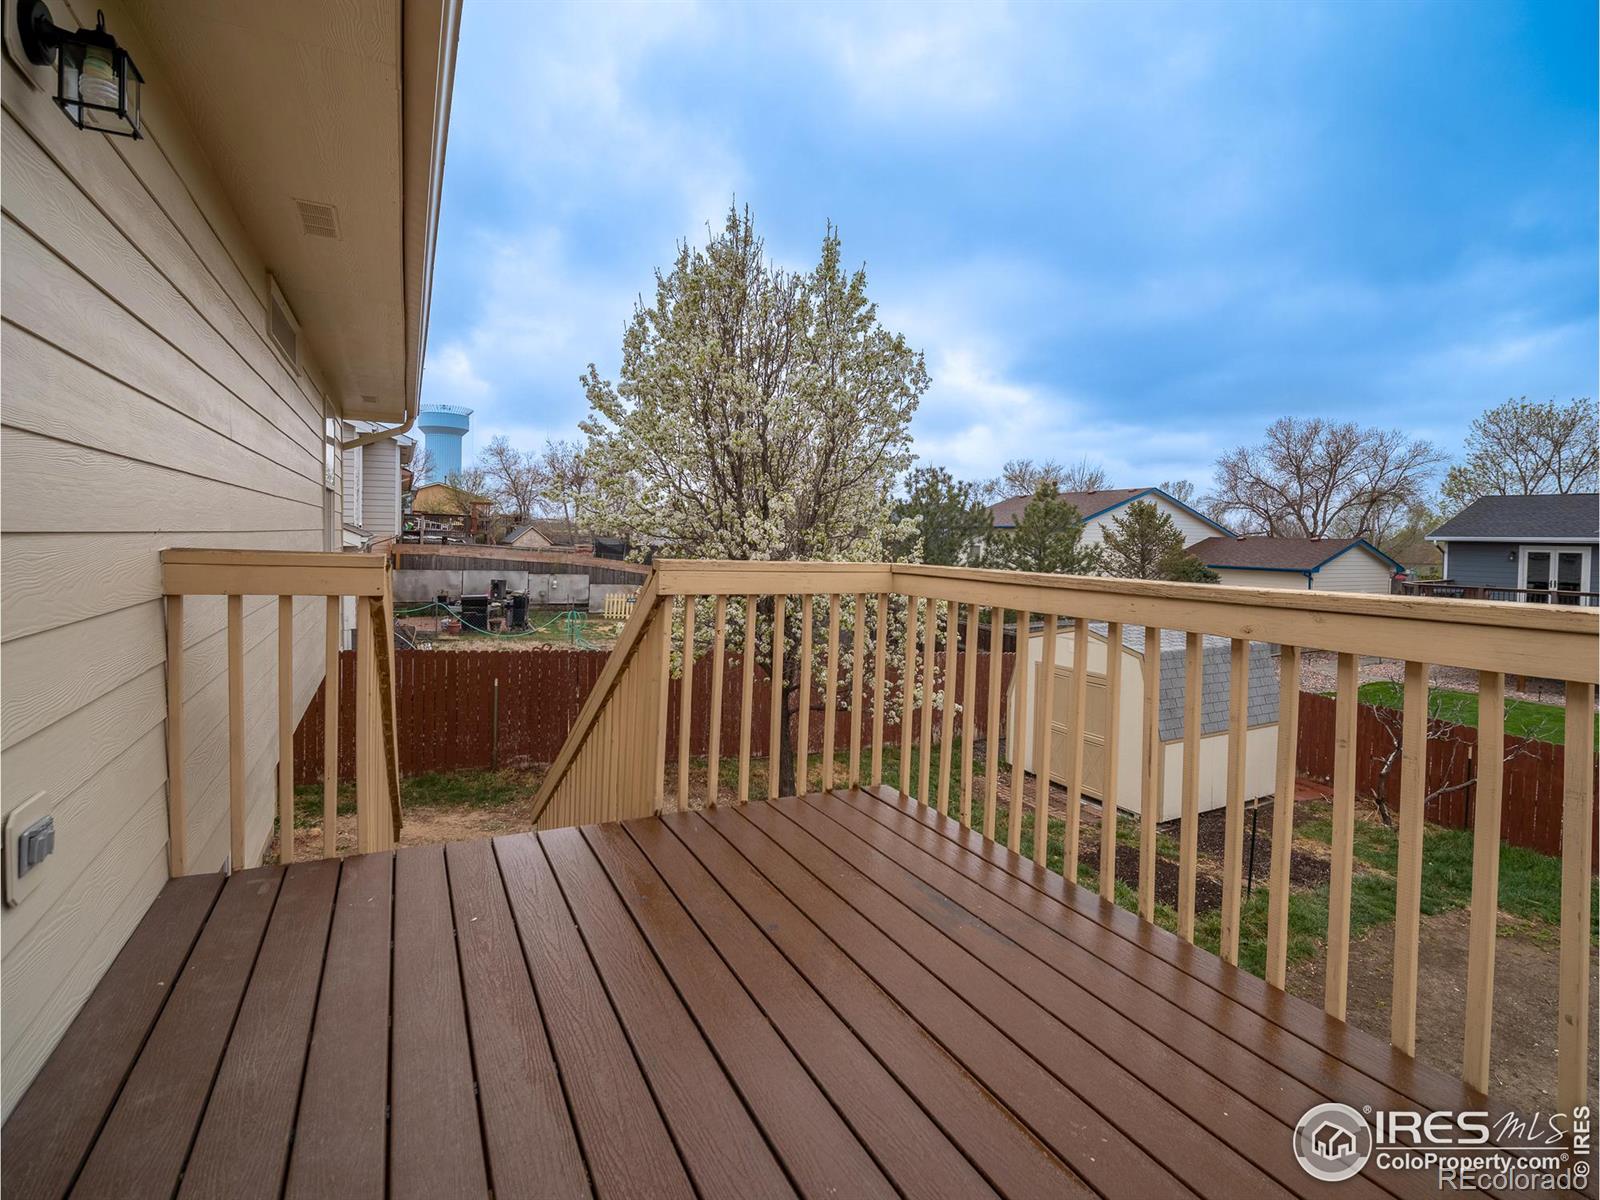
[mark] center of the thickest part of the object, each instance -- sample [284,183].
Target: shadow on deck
[844,995]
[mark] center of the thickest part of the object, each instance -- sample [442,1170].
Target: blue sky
[1133,232]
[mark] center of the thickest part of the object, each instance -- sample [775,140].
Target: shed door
[1094,740]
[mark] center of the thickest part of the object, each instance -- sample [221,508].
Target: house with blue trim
[1321,564]
[1529,548]
[1100,507]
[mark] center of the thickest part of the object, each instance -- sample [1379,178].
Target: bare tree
[1524,449]
[568,479]
[516,478]
[1025,476]
[1316,478]
[1179,489]
[422,466]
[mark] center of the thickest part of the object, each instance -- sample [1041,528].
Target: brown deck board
[243,1147]
[435,1141]
[54,1125]
[144,1144]
[1254,1073]
[835,995]
[906,1141]
[341,1141]
[1374,1058]
[625,1141]
[822,1155]
[720,1143]
[528,1134]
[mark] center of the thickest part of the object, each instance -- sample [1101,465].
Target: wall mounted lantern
[97,84]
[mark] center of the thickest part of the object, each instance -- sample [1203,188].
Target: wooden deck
[845,995]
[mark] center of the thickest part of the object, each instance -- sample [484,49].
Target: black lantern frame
[91,54]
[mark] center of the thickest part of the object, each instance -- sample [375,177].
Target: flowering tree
[760,414]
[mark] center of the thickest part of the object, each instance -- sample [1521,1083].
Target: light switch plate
[34,808]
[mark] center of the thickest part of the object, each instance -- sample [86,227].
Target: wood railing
[288,575]
[1448,589]
[843,625]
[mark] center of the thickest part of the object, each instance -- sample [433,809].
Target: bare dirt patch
[1527,966]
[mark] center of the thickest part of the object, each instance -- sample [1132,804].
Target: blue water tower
[444,425]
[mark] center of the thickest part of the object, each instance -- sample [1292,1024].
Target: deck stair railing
[289,575]
[905,622]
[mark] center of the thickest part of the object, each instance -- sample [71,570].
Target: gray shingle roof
[1525,518]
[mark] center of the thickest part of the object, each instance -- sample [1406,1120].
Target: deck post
[177,811]
[1577,860]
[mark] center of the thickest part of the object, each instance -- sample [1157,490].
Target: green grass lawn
[442,789]
[1524,718]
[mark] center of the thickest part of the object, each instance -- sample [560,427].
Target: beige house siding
[380,487]
[1236,577]
[1192,528]
[1356,570]
[142,408]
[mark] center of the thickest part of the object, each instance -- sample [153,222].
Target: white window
[1547,571]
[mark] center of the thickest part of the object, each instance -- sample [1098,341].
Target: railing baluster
[1577,859]
[1108,776]
[365,763]
[1283,814]
[285,729]
[802,741]
[858,645]
[1233,824]
[1485,909]
[1408,872]
[1341,858]
[177,806]
[969,712]
[1041,746]
[747,696]
[663,664]
[1188,831]
[332,623]
[686,702]
[930,632]
[1021,685]
[947,710]
[830,693]
[1151,753]
[236,732]
[908,693]
[880,692]
[991,737]
[718,662]
[775,726]
[1077,704]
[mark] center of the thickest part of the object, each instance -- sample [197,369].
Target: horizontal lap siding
[142,409]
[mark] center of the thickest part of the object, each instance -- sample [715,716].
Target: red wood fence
[453,717]
[1530,810]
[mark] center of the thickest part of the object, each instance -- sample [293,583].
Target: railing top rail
[1560,642]
[203,572]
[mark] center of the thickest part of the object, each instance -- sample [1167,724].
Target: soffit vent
[317,219]
[369,399]
[281,325]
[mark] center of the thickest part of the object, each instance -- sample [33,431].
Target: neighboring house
[450,513]
[373,472]
[1316,564]
[1262,717]
[1099,508]
[526,536]
[190,319]
[1520,547]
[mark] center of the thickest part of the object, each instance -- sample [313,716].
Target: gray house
[1530,548]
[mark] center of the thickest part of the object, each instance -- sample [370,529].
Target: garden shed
[1261,709]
